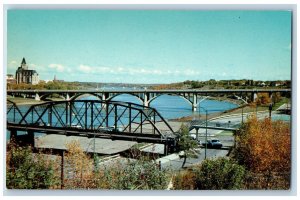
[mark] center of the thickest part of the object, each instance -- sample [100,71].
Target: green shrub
[136,175]
[219,174]
[25,170]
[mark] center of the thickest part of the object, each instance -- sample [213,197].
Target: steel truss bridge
[93,118]
[147,96]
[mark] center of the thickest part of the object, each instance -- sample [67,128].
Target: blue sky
[150,46]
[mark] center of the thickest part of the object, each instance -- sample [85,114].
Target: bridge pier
[13,134]
[271,97]
[146,97]
[194,104]
[68,97]
[253,96]
[30,138]
[37,97]
[104,97]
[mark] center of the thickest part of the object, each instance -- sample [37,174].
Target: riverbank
[242,109]
[27,101]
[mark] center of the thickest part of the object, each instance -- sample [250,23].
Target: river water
[170,107]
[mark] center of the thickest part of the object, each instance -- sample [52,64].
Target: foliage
[187,144]
[264,148]
[263,99]
[134,175]
[221,173]
[264,145]
[25,170]
[42,85]
[185,180]
[130,175]
[78,167]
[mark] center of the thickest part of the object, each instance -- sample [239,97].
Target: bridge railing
[228,124]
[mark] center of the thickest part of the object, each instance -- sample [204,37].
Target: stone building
[24,75]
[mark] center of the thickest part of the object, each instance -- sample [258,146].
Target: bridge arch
[44,96]
[170,94]
[118,94]
[75,96]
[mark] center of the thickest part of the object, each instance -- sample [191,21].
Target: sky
[150,46]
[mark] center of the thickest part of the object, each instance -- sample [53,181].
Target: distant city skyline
[132,46]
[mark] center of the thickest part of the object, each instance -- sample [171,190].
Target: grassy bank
[26,101]
[239,110]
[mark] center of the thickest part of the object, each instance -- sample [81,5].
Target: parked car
[214,144]
[76,126]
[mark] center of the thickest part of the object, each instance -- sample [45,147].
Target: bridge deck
[113,135]
[213,127]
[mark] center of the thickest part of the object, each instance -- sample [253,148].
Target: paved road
[174,162]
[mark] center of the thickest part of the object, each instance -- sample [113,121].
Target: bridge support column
[271,97]
[31,138]
[146,97]
[13,134]
[197,133]
[253,96]
[68,97]
[37,97]
[104,99]
[194,105]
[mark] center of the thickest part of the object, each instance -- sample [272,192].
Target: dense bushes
[218,174]
[136,175]
[127,175]
[25,170]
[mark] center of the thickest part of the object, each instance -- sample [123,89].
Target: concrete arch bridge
[193,97]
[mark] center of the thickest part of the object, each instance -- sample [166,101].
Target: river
[170,107]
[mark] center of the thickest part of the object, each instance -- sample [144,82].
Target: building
[24,75]
[10,79]
[55,80]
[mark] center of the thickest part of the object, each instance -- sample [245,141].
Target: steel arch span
[94,118]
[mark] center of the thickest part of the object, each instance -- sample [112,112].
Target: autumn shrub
[184,180]
[263,99]
[81,172]
[25,170]
[264,148]
[78,167]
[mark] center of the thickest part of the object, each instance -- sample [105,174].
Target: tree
[187,144]
[264,148]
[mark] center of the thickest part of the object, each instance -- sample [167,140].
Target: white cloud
[31,65]
[85,68]
[13,62]
[135,71]
[57,67]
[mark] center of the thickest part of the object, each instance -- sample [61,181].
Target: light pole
[205,130]
[242,114]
